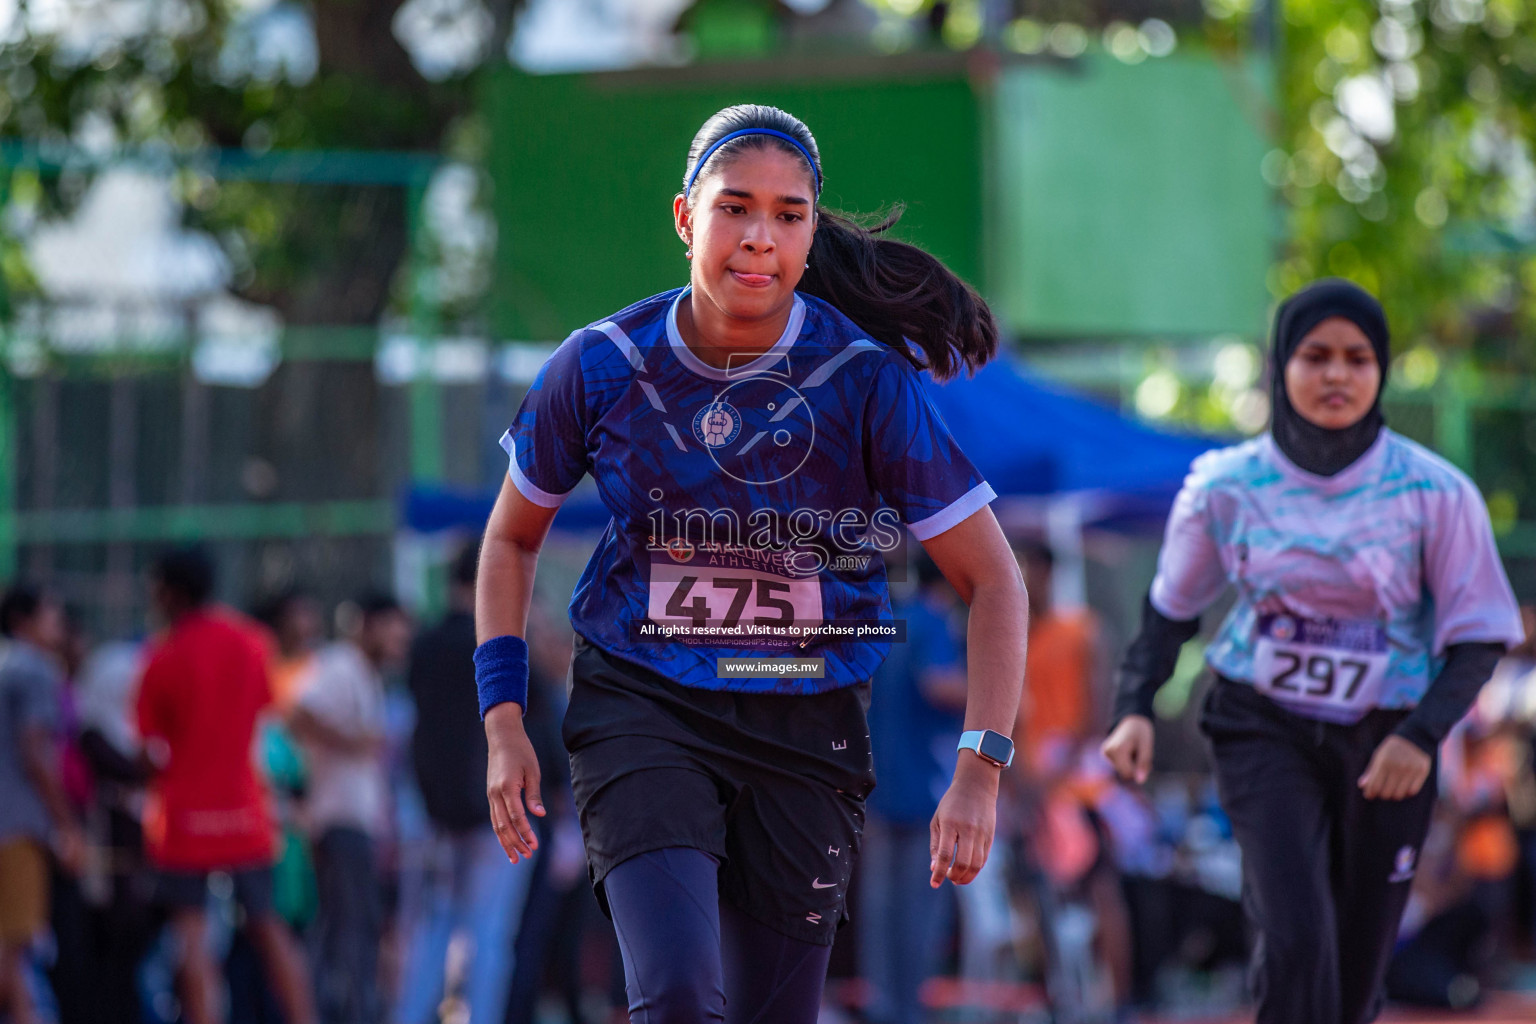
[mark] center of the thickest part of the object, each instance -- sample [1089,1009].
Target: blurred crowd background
[357,741]
[274,275]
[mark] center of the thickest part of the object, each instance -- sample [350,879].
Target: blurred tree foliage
[1404,132]
[1403,136]
[964,23]
[172,79]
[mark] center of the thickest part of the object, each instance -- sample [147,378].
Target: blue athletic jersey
[751,504]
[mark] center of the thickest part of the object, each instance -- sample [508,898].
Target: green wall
[1130,200]
[1086,198]
[585,168]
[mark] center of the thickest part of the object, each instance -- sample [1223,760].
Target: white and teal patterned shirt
[1349,587]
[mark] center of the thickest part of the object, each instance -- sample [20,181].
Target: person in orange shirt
[1057,712]
[1056,719]
[298,627]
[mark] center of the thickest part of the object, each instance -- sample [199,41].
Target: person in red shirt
[205,682]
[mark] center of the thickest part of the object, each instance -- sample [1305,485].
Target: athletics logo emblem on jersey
[1283,628]
[717,424]
[776,427]
[680,550]
[1402,867]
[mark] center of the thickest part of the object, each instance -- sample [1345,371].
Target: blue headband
[816,174]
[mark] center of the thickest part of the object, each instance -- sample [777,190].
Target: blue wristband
[501,672]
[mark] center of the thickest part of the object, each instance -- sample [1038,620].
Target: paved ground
[950,1000]
[1499,1008]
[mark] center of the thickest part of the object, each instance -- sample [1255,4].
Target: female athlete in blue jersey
[761,437]
[1370,608]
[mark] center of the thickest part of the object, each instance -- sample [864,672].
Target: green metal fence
[108,455]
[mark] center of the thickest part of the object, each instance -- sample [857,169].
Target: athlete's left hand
[960,835]
[1398,770]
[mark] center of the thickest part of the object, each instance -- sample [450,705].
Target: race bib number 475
[1332,669]
[732,605]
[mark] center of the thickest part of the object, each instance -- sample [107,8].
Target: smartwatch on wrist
[992,747]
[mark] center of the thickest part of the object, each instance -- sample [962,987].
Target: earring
[689,254]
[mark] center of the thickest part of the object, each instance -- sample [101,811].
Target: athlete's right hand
[512,781]
[1129,748]
[960,835]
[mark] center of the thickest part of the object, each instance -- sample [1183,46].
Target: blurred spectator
[297,628]
[1519,668]
[1487,848]
[293,622]
[104,693]
[915,720]
[1441,943]
[75,771]
[1056,717]
[1057,712]
[1460,908]
[105,690]
[75,965]
[1506,709]
[34,809]
[205,683]
[1522,813]
[464,880]
[203,687]
[338,717]
[1181,881]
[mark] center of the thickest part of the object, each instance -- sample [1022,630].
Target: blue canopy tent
[1062,462]
[1030,439]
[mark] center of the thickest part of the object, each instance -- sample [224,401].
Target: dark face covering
[1311,447]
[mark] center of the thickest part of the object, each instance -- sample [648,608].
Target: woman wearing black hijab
[1370,608]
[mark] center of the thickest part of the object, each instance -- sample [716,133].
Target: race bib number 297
[1332,669]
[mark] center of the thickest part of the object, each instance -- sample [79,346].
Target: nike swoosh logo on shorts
[819,884]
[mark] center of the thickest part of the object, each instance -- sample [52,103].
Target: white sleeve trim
[530,490]
[1165,601]
[957,512]
[1508,635]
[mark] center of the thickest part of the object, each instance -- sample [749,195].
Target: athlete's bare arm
[976,559]
[503,592]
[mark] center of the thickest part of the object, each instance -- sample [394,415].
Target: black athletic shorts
[773,785]
[251,888]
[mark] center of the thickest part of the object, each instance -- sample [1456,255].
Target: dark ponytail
[898,294]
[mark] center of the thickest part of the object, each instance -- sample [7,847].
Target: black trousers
[348,927]
[1326,872]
